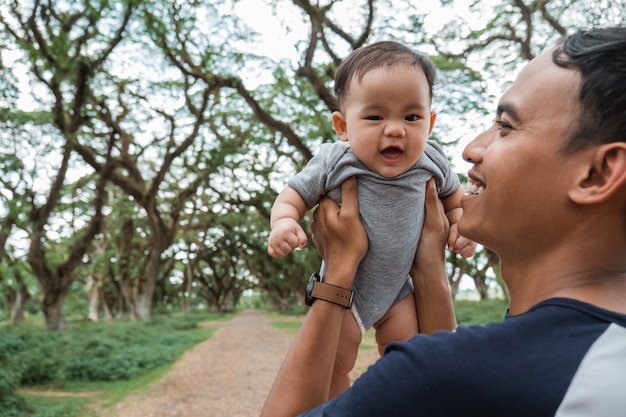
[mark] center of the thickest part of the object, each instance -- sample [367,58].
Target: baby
[384,94]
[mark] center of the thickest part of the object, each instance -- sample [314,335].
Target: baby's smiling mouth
[391,153]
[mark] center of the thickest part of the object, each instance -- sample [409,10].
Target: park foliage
[142,146]
[117,357]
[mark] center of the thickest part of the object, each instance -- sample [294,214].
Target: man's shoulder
[552,324]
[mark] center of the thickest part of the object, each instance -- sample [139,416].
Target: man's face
[517,201]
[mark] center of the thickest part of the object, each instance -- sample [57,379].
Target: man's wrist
[316,289]
[341,274]
[431,274]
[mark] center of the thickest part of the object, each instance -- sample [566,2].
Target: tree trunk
[481,286]
[96,298]
[56,281]
[105,306]
[460,267]
[17,306]
[143,306]
[122,305]
[92,287]
[52,306]
[494,261]
[145,283]
[127,301]
[187,287]
[454,284]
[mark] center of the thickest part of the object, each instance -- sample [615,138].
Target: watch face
[308,298]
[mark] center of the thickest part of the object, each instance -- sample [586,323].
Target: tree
[509,34]
[158,133]
[63,50]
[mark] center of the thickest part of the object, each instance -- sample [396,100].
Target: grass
[290,327]
[116,392]
[49,355]
[57,406]
[82,399]
[479,312]
[467,313]
[369,341]
[66,374]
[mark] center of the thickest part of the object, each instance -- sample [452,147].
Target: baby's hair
[380,54]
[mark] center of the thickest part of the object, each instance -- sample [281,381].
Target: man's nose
[475,150]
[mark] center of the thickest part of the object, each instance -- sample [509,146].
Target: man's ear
[604,176]
[340,125]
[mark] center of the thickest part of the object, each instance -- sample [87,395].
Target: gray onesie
[392,212]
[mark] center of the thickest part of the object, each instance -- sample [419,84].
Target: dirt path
[227,376]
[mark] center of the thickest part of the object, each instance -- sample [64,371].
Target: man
[548,194]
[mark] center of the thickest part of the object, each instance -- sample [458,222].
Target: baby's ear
[340,125]
[433,117]
[604,176]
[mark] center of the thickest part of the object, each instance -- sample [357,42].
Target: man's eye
[503,124]
[412,118]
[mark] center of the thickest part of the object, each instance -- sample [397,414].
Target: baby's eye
[412,118]
[373,118]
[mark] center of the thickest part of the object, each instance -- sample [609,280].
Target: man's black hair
[599,55]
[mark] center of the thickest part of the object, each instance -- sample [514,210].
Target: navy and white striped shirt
[561,358]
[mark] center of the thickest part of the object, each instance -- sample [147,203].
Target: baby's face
[387,119]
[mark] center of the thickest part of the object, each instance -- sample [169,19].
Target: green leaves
[190,128]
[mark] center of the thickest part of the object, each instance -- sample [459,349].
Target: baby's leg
[399,324]
[347,351]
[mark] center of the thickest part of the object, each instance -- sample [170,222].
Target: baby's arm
[286,233]
[456,242]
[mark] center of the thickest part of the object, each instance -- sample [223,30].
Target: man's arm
[304,378]
[435,310]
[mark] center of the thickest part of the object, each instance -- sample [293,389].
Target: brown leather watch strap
[332,293]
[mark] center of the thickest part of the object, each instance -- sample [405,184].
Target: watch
[332,293]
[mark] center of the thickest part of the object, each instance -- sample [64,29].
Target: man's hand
[435,310]
[339,235]
[436,227]
[304,379]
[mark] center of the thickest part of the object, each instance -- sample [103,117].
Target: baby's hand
[286,235]
[459,244]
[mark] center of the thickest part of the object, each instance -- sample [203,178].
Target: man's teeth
[473,188]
